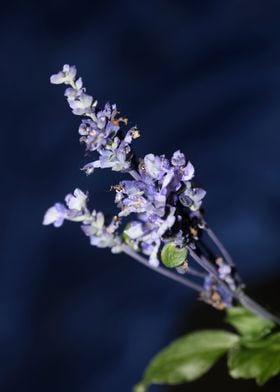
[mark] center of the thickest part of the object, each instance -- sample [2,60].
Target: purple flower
[81,105]
[55,215]
[66,76]
[97,134]
[155,166]
[134,230]
[73,93]
[178,159]
[225,273]
[109,111]
[95,224]
[150,247]
[224,270]
[129,188]
[136,203]
[76,201]
[215,294]
[168,178]
[133,133]
[101,235]
[188,172]
[167,223]
[116,156]
[192,197]
[76,211]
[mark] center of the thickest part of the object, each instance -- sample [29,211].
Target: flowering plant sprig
[160,221]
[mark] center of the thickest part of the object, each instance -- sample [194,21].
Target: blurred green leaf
[188,358]
[172,256]
[248,324]
[258,359]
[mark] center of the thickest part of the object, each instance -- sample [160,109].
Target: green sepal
[172,256]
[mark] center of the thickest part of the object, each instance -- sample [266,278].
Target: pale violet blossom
[155,166]
[102,235]
[116,156]
[77,200]
[66,76]
[178,158]
[81,104]
[192,197]
[55,215]
[168,222]
[73,93]
[224,270]
[134,230]
[188,172]
[94,225]
[75,210]
[215,294]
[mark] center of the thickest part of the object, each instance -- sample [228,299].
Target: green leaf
[256,359]
[187,358]
[172,256]
[248,324]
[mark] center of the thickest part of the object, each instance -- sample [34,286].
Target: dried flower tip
[135,133]
[117,121]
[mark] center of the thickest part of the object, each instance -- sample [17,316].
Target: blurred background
[200,76]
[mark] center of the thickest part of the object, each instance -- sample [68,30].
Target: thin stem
[194,272]
[256,308]
[238,294]
[219,245]
[136,256]
[243,298]
[205,264]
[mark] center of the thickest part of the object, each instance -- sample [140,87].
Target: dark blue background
[202,76]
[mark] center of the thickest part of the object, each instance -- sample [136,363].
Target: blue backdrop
[202,76]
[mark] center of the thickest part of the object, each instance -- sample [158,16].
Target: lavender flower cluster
[161,198]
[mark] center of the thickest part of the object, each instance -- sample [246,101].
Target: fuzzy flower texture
[159,195]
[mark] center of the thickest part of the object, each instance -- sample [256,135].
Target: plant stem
[219,245]
[207,266]
[256,308]
[160,270]
[240,296]
[194,272]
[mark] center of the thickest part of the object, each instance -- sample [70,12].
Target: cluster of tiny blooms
[160,196]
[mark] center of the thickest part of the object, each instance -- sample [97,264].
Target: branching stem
[161,270]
